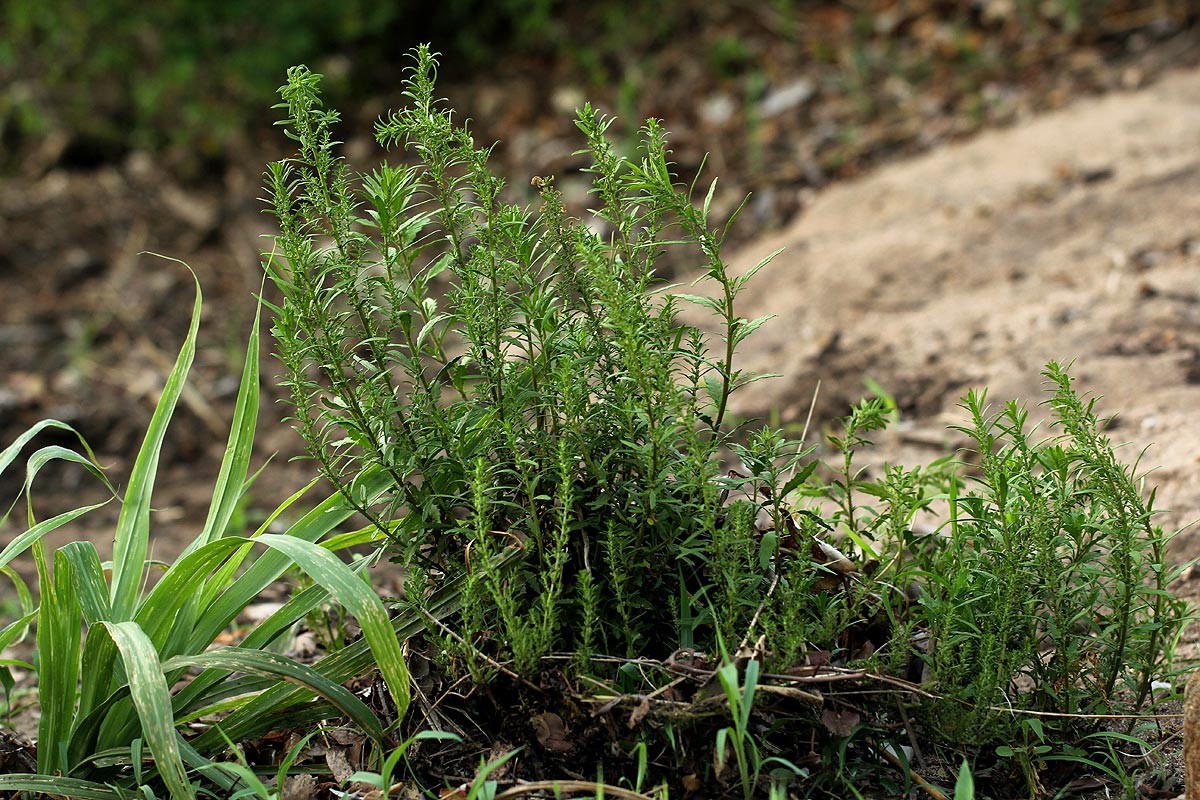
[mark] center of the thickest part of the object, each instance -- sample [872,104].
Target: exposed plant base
[568,729]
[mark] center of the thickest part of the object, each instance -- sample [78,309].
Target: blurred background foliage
[196,75]
[124,73]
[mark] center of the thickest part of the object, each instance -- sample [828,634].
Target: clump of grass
[125,664]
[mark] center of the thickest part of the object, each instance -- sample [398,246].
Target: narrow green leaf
[750,273]
[361,601]
[57,786]
[185,579]
[15,630]
[221,580]
[800,477]
[9,454]
[746,327]
[256,716]
[133,525]
[313,526]
[152,698]
[712,190]
[198,692]
[60,632]
[712,303]
[50,453]
[272,665]
[236,462]
[88,577]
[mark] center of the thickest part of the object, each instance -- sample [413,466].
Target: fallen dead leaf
[840,723]
[639,712]
[551,732]
[299,787]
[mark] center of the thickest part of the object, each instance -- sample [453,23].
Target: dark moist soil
[802,115]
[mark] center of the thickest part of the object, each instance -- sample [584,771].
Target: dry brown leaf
[840,723]
[551,732]
[299,787]
[639,712]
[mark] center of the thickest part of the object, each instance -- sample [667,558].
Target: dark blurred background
[128,127]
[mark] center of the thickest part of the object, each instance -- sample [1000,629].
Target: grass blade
[256,717]
[272,665]
[57,786]
[313,526]
[152,698]
[133,525]
[360,600]
[60,631]
[236,463]
[25,540]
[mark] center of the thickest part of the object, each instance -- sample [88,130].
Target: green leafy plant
[520,378]
[114,653]
[1028,754]
[740,738]
[1052,571]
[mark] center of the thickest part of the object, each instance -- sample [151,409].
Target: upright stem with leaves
[518,377]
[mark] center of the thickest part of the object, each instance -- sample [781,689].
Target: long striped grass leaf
[185,579]
[196,694]
[48,454]
[256,716]
[133,525]
[223,578]
[13,631]
[24,596]
[60,632]
[271,665]
[313,526]
[151,696]
[10,453]
[88,577]
[236,462]
[58,786]
[25,540]
[98,673]
[101,690]
[360,600]
[343,541]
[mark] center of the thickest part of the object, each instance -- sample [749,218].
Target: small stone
[795,94]
[717,109]
[566,99]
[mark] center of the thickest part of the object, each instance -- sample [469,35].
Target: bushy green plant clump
[522,379]
[551,399]
[1053,573]
[1044,590]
